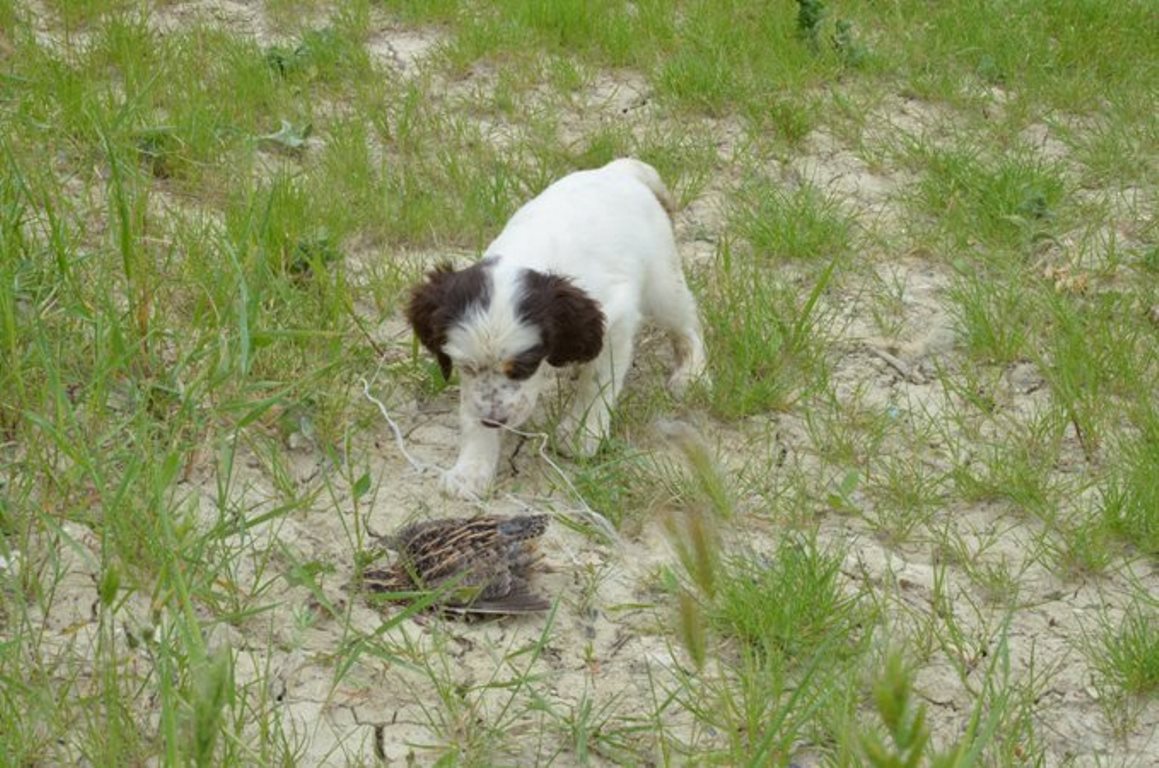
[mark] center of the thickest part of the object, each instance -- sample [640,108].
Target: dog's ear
[439,302]
[571,321]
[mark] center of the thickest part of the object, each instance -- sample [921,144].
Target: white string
[415,463]
[595,518]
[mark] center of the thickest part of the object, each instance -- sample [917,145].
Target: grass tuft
[780,224]
[904,719]
[785,605]
[1130,498]
[764,342]
[1003,205]
[1128,655]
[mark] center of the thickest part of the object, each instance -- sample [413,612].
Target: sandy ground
[603,644]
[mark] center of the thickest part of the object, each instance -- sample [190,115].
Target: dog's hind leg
[672,307]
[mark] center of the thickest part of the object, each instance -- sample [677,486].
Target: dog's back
[649,176]
[604,228]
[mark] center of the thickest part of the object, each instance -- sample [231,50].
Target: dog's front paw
[465,481]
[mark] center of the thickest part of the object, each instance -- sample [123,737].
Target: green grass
[1006,204]
[783,635]
[1128,655]
[625,485]
[907,497]
[782,225]
[764,338]
[783,605]
[209,222]
[993,315]
[1130,494]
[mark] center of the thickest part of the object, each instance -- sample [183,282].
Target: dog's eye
[525,365]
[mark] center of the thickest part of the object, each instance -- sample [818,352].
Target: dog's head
[498,327]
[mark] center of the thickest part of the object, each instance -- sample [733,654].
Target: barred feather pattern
[484,563]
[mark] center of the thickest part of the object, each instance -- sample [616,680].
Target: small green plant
[621,483]
[1008,204]
[810,14]
[160,149]
[906,496]
[799,223]
[1128,499]
[786,604]
[1150,259]
[1015,469]
[994,315]
[1127,655]
[764,340]
[312,255]
[322,53]
[290,138]
[1081,546]
[848,47]
[840,498]
[847,431]
[904,719]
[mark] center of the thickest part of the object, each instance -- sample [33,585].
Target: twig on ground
[595,518]
[896,363]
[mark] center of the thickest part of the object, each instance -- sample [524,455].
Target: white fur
[608,231]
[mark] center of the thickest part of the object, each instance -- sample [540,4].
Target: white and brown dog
[569,281]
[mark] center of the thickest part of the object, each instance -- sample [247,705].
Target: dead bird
[480,564]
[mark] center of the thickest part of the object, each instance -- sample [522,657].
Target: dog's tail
[651,179]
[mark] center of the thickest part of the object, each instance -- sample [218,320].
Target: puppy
[568,282]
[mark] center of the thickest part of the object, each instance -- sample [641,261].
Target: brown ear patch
[441,301]
[571,321]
